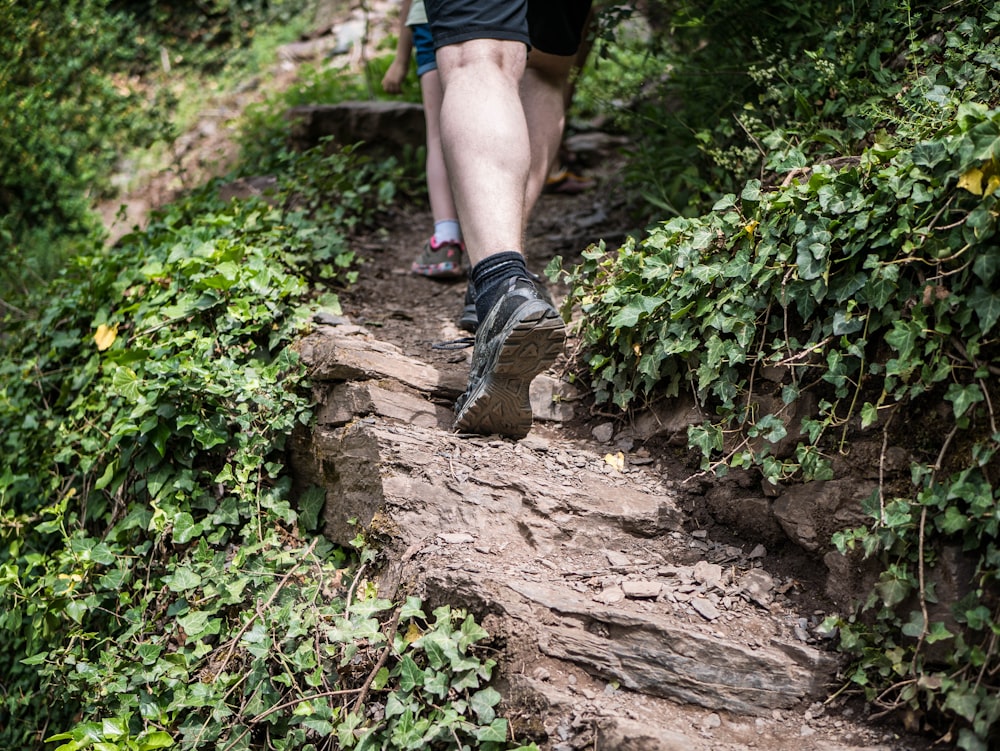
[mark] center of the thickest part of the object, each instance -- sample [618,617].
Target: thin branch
[390,635]
[881,467]
[298,700]
[284,580]
[354,586]
[944,449]
[806,352]
[925,628]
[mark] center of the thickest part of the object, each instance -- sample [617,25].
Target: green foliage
[435,693]
[860,267]
[210,36]
[83,84]
[64,117]
[264,132]
[143,417]
[157,583]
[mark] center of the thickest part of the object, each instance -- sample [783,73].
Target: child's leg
[438,187]
[442,256]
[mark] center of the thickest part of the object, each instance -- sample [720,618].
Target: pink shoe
[440,260]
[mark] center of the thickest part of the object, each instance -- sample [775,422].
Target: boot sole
[499,402]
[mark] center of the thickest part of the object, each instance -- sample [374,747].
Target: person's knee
[506,58]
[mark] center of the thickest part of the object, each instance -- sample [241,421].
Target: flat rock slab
[575,558]
[333,356]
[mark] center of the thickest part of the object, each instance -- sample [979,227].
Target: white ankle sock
[447,231]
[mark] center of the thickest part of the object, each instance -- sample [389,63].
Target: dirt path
[626,618]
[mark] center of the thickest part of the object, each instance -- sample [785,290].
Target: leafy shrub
[264,133]
[85,82]
[734,91]
[64,117]
[157,582]
[862,267]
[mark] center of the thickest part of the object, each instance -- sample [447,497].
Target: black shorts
[552,26]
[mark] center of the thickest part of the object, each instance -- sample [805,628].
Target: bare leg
[438,187]
[486,144]
[543,94]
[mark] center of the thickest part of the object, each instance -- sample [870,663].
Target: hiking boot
[521,336]
[469,320]
[440,260]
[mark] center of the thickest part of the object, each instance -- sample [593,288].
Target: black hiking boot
[469,320]
[521,336]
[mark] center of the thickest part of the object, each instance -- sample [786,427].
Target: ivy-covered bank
[159,584]
[840,228]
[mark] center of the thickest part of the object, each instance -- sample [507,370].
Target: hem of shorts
[427,68]
[468,35]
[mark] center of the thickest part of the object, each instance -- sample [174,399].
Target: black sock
[489,275]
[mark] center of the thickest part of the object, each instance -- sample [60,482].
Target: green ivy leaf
[495,732]
[987,307]
[184,528]
[986,265]
[638,306]
[963,397]
[893,590]
[964,703]
[310,504]
[952,521]
[156,739]
[483,703]
[471,632]
[411,609]
[183,579]
[410,674]
[125,383]
[903,337]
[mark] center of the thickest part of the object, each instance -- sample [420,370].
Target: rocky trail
[634,603]
[625,618]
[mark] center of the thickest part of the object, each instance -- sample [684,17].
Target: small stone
[324,318]
[604,432]
[610,596]
[642,589]
[701,534]
[704,608]
[535,443]
[709,574]
[617,558]
[456,538]
[759,586]
[542,674]
[711,721]
[758,552]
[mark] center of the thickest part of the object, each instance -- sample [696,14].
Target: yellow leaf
[616,461]
[105,336]
[992,185]
[413,633]
[972,181]
[637,349]
[751,227]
